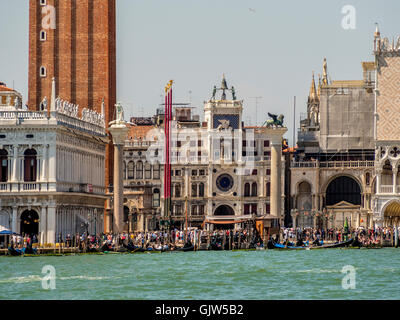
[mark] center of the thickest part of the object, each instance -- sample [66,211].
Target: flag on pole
[167,165]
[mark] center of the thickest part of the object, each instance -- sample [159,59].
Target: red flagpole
[167,165]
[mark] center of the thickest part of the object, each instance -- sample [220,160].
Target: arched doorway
[224,210]
[29,223]
[391,214]
[304,218]
[343,201]
[341,189]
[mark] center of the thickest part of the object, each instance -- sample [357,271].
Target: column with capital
[15,168]
[394,171]
[43,225]
[51,223]
[276,135]
[118,130]
[14,227]
[378,179]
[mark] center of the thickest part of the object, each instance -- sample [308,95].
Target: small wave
[33,278]
[312,271]
[84,278]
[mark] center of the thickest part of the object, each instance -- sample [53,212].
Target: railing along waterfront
[332,164]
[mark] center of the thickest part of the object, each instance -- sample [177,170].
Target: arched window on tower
[43,72]
[247,190]
[4,165]
[177,190]
[201,190]
[30,165]
[194,190]
[43,35]
[254,189]
[139,170]
[156,171]
[147,171]
[131,170]
[156,198]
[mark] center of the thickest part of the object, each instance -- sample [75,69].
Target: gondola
[214,245]
[274,245]
[185,249]
[15,252]
[106,247]
[29,250]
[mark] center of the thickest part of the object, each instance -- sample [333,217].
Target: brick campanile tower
[75,42]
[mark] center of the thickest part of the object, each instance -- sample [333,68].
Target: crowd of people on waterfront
[156,239]
[174,237]
[364,236]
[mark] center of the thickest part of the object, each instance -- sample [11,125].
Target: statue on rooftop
[233,93]
[275,121]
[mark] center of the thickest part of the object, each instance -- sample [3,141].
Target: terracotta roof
[138,132]
[4,88]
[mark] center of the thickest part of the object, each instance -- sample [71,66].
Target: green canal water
[210,275]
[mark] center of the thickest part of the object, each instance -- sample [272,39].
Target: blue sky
[265,48]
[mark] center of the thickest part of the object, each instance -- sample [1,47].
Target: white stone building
[52,169]
[224,174]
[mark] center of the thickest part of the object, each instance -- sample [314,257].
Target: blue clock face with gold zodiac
[224,182]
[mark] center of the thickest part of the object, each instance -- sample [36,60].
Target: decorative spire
[313,91]
[53,95]
[377,33]
[319,86]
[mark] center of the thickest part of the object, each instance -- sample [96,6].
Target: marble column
[43,225]
[378,180]
[14,227]
[51,224]
[118,132]
[276,135]
[394,171]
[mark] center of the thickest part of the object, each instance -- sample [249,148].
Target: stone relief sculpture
[225,125]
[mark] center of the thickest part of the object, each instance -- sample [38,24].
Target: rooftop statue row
[383,44]
[71,110]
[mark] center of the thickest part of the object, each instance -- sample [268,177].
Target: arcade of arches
[343,198]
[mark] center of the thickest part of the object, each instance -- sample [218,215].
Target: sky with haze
[265,48]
